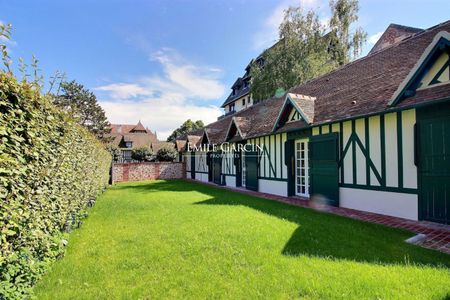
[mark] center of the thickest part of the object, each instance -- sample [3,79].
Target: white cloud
[164,102]
[268,33]
[375,37]
[162,115]
[123,90]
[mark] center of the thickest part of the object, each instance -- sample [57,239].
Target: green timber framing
[378,163]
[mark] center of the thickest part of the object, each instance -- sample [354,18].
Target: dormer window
[129,145]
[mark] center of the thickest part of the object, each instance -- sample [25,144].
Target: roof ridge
[414,35]
[405,26]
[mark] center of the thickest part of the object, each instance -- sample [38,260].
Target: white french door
[301,168]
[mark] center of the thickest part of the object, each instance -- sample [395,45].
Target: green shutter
[251,170]
[324,176]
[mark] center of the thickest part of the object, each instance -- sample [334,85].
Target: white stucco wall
[386,203]
[230,181]
[273,187]
[201,177]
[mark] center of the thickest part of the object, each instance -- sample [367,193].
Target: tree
[345,45]
[115,152]
[299,55]
[166,154]
[142,154]
[306,48]
[81,104]
[185,128]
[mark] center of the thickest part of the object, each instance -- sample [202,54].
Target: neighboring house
[128,137]
[372,135]
[240,96]
[394,34]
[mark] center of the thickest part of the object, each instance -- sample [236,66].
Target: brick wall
[147,171]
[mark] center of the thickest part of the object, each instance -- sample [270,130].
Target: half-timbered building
[373,135]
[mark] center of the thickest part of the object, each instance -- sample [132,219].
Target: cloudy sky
[163,62]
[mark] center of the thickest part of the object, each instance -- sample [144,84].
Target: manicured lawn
[176,239]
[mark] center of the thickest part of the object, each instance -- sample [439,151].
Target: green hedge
[51,170]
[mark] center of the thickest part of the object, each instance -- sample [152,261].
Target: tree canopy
[186,127]
[82,104]
[307,48]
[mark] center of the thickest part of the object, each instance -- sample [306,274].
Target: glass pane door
[301,168]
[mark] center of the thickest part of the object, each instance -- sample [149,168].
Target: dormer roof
[138,128]
[303,105]
[440,46]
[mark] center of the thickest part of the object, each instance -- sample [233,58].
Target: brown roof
[217,131]
[180,144]
[139,139]
[138,127]
[137,134]
[193,140]
[306,105]
[127,128]
[160,145]
[362,87]
[393,34]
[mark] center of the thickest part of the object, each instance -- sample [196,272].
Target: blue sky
[165,61]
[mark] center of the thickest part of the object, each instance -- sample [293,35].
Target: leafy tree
[299,55]
[142,154]
[185,128]
[344,44]
[81,104]
[114,151]
[166,154]
[306,48]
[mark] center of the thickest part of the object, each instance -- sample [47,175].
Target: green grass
[177,239]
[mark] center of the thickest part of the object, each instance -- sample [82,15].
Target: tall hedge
[51,170]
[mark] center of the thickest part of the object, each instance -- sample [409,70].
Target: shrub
[115,152]
[166,154]
[51,170]
[142,154]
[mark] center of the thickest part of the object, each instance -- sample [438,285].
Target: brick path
[437,235]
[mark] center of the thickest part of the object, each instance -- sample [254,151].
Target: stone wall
[147,171]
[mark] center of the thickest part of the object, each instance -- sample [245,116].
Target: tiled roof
[138,127]
[438,91]
[362,87]
[180,144]
[306,105]
[160,145]
[288,126]
[238,94]
[126,128]
[217,131]
[137,134]
[393,34]
[139,139]
[367,84]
